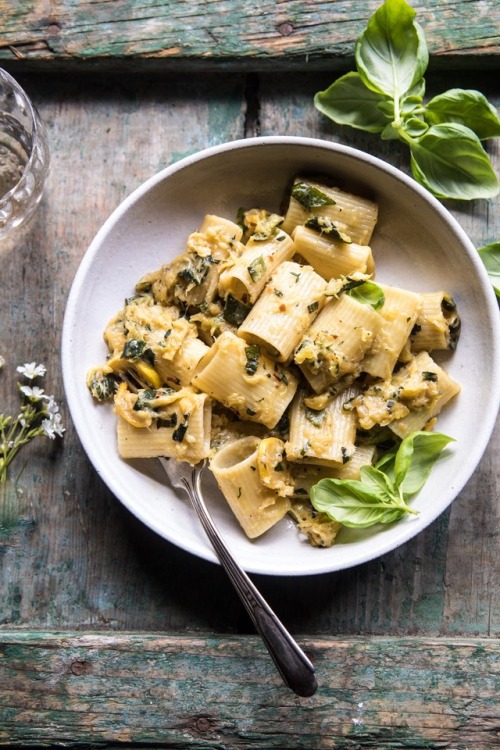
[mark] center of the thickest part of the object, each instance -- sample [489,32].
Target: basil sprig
[490,255]
[380,495]
[386,96]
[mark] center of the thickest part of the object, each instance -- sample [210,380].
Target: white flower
[52,407]
[53,426]
[33,393]
[31,370]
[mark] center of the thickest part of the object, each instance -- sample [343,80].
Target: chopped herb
[345,455]
[305,448]
[235,311]
[169,421]
[179,433]
[431,376]
[278,293]
[144,398]
[326,226]
[314,416]
[257,268]
[102,386]
[297,276]
[239,492]
[197,270]
[267,227]
[133,349]
[252,353]
[280,374]
[312,307]
[310,197]
[250,412]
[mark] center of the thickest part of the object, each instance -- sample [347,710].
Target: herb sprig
[380,495]
[386,96]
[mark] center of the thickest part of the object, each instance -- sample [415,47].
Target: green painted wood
[67,689]
[311,34]
[71,556]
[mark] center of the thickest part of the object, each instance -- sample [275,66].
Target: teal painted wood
[210,692]
[71,556]
[311,34]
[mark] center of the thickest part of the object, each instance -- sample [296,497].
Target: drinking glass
[24,155]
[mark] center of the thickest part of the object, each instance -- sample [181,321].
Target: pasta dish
[268,348]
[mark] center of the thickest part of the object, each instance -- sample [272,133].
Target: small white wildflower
[31,370]
[2,361]
[34,393]
[52,407]
[53,426]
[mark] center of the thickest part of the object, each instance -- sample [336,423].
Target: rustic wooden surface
[407,646]
[243,35]
[211,692]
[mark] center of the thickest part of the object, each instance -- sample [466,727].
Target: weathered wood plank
[211,692]
[72,556]
[311,34]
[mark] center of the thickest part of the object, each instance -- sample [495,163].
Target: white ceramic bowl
[417,244]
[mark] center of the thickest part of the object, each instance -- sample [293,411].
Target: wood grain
[72,556]
[208,692]
[241,35]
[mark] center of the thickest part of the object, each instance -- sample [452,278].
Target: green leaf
[391,54]
[310,197]
[349,102]
[465,107]
[490,255]
[349,502]
[379,483]
[450,162]
[368,293]
[415,458]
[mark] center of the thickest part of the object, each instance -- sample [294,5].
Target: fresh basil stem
[386,96]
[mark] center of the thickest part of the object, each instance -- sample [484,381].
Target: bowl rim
[492,314]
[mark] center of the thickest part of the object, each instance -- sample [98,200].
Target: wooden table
[110,636]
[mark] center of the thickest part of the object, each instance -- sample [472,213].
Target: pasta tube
[291,299]
[399,314]
[176,425]
[336,342]
[256,506]
[245,380]
[322,436]
[246,275]
[357,215]
[332,258]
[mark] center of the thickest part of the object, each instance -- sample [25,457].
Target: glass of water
[24,156]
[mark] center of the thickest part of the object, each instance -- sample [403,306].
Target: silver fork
[293,665]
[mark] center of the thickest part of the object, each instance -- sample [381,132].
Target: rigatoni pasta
[267,348]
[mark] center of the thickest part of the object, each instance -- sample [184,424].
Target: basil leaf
[415,458]
[349,502]
[490,255]
[349,102]
[450,162]
[391,54]
[368,293]
[466,107]
[379,482]
[310,197]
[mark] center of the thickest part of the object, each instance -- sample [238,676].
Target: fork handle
[293,665]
